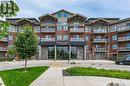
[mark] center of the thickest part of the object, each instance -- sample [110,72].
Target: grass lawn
[19,77]
[82,71]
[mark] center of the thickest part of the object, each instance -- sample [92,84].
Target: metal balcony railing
[100,40]
[124,48]
[100,50]
[77,39]
[76,29]
[48,30]
[47,39]
[125,38]
[47,24]
[124,28]
[99,31]
[4,39]
[3,49]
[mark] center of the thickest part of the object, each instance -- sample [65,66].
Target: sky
[88,8]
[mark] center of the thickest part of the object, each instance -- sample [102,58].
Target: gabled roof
[104,18]
[77,15]
[46,15]
[101,19]
[111,20]
[24,19]
[15,20]
[63,11]
[121,21]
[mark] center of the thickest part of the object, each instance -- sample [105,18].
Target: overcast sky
[88,8]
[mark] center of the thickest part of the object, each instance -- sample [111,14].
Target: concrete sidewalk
[52,77]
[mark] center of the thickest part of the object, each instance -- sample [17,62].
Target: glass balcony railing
[3,49]
[76,29]
[4,39]
[76,39]
[125,38]
[123,28]
[47,39]
[100,40]
[48,30]
[100,49]
[124,48]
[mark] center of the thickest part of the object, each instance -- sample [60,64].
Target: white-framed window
[10,37]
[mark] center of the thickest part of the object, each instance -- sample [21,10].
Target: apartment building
[64,35]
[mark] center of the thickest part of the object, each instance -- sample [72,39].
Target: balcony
[80,24]
[124,49]
[100,50]
[48,24]
[103,40]
[3,49]
[77,39]
[47,39]
[50,30]
[4,39]
[100,31]
[125,38]
[77,30]
[123,29]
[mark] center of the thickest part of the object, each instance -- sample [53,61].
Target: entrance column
[85,52]
[39,52]
[55,52]
[69,52]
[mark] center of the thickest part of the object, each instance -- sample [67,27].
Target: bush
[82,71]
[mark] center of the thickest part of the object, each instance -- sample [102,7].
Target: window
[128,24]
[76,36]
[48,36]
[65,14]
[59,15]
[59,28]
[114,37]
[113,29]
[65,37]
[11,38]
[65,27]
[86,38]
[11,29]
[59,23]
[114,46]
[128,45]
[76,23]
[38,38]
[59,37]
[37,29]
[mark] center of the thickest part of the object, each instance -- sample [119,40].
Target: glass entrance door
[51,52]
[62,52]
[73,52]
